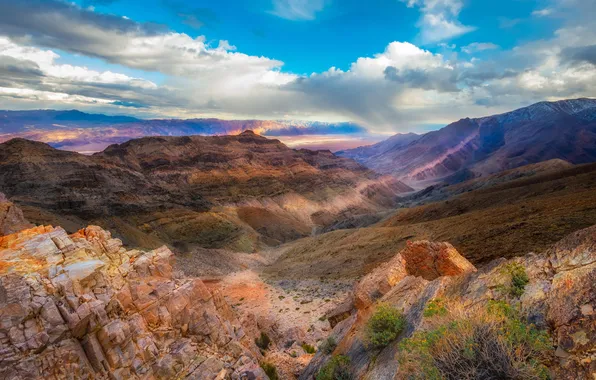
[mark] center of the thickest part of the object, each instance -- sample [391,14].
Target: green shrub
[308,348]
[270,370]
[519,279]
[338,368]
[328,346]
[263,341]
[435,307]
[495,343]
[384,326]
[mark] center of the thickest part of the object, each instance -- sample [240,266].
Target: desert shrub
[308,348]
[384,326]
[328,345]
[435,307]
[338,368]
[495,343]
[270,370]
[519,279]
[263,341]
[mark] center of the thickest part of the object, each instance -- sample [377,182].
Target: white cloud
[298,9]
[45,60]
[439,20]
[475,47]
[543,12]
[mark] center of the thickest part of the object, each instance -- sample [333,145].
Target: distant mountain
[233,192]
[395,142]
[471,148]
[83,132]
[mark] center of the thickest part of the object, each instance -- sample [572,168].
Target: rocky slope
[504,215]
[234,192]
[83,306]
[559,296]
[11,217]
[470,148]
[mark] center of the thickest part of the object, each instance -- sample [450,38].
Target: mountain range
[471,148]
[88,133]
[233,191]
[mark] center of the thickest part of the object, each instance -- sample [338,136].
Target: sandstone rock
[422,258]
[69,309]
[430,260]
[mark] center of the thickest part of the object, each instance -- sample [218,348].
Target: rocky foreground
[84,306]
[556,296]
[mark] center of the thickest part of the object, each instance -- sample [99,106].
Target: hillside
[215,192]
[471,148]
[504,218]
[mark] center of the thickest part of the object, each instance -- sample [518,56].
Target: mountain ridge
[237,191]
[490,144]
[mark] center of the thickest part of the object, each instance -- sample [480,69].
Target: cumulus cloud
[439,19]
[298,9]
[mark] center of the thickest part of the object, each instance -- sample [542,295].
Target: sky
[389,65]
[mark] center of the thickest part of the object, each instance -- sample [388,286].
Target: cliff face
[82,306]
[558,296]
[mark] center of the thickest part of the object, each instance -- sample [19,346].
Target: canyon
[237,257]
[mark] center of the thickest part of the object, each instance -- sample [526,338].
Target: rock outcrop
[559,296]
[82,306]
[11,217]
[424,259]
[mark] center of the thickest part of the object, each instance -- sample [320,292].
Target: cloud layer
[395,90]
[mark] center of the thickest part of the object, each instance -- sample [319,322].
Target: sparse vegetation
[270,370]
[328,345]
[519,279]
[263,341]
[436,307]
[384,326]
[308,348]
[338,368]
[495,343]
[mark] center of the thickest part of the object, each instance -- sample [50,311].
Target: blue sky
[337,35]
[390,65]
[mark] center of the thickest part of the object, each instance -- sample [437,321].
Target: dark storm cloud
[580,54]
[440,79]
[68,27]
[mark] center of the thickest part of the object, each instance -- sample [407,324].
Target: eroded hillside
[236,192]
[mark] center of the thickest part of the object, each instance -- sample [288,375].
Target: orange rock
[430,260]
